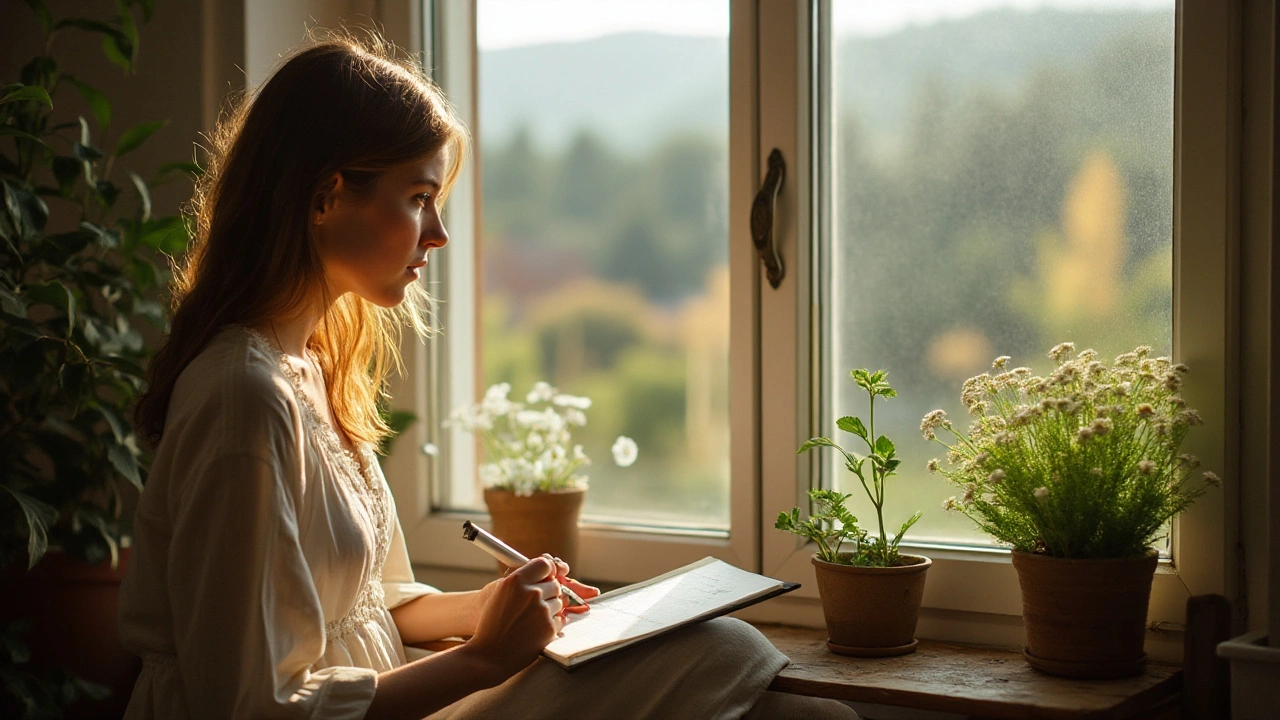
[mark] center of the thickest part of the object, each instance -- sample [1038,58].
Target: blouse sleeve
[247,619]
[398,583]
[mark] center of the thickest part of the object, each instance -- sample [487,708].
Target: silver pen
[507,555]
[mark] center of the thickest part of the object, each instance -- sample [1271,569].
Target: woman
[269,576]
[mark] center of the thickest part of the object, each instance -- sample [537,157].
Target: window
[946,192]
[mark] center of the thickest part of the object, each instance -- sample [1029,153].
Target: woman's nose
[433,233]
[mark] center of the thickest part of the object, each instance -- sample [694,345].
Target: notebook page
[667,600]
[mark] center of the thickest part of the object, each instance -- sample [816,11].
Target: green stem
[877,479]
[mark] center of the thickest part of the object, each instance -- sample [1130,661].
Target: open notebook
[699,591]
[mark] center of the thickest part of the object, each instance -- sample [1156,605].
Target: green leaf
[40,515]
[106,238]
[98,103]
[107,191]
[115,51]
[65,171]
[15,132]
[852,425]
[128,27]
[118,427]
[167,170]
[884,447]
[27,93]
[42,14]
[136,135]
[126,366]
[125,463]
[58,295]
[12,304]
[86,153]
[816,442]
[907,526]
[144,196]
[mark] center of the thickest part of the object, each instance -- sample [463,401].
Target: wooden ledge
[964,679]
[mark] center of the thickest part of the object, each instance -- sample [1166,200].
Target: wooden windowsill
[963,679]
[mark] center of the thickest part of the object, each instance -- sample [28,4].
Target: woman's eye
[423,199]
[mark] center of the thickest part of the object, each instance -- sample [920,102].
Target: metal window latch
[762,218]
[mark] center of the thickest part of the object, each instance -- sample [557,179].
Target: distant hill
[636,89]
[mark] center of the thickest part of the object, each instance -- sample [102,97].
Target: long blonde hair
[340,104]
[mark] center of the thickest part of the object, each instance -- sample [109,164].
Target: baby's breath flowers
[1082,463]
[528,446]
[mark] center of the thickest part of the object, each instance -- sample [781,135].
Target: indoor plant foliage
[534,486]
[78,270]
[529,446]
[831,524]
[1084,463]
[1079,472]
[870,593]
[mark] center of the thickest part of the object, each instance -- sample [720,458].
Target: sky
[513,23]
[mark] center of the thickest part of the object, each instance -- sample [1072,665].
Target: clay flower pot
[871,611]
[1085,618]
[544,522]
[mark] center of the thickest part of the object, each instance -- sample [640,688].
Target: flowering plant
[529,445]
[830,524]
[1081,464]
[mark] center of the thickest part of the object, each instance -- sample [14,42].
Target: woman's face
[374,245]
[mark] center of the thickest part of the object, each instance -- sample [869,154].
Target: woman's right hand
[520,616]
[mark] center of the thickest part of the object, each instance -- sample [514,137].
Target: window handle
[762,218]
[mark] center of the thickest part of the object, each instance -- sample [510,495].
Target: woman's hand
[519,615]
[586,592]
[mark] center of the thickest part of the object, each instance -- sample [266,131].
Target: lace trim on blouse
[365,484]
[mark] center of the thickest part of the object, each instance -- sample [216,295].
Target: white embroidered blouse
[265,556]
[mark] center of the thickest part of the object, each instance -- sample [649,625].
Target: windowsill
[964,679]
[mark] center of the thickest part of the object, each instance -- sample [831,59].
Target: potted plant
[533,485]
[80,267]
[870,592]
[1079,473]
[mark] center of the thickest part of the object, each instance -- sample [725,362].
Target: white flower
[1101,426]
[931,423]
[949,503]
[1061,350]
[1000,362]
[624,451]
[932,465]
[1190,461]
[573,416]
[996,477]
[1146,467]
[1084,435]
[541,392]
[573,401]
[1041,493]
[1146,411]
[1212,479]
[969,490]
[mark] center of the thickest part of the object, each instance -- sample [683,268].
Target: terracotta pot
[72,608]
[544,522]
[1085,618]
[871,611]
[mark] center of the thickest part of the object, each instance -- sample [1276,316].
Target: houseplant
[1078,472]
[79,269]
[870,593]
[533,484]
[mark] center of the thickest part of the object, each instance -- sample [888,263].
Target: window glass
[602,142]
[1001,182]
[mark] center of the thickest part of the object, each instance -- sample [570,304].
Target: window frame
[431,533]
[973,592]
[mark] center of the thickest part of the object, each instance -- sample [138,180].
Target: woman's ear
[325,198]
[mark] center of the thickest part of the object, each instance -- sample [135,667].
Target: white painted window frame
[972,594]
[608,554]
